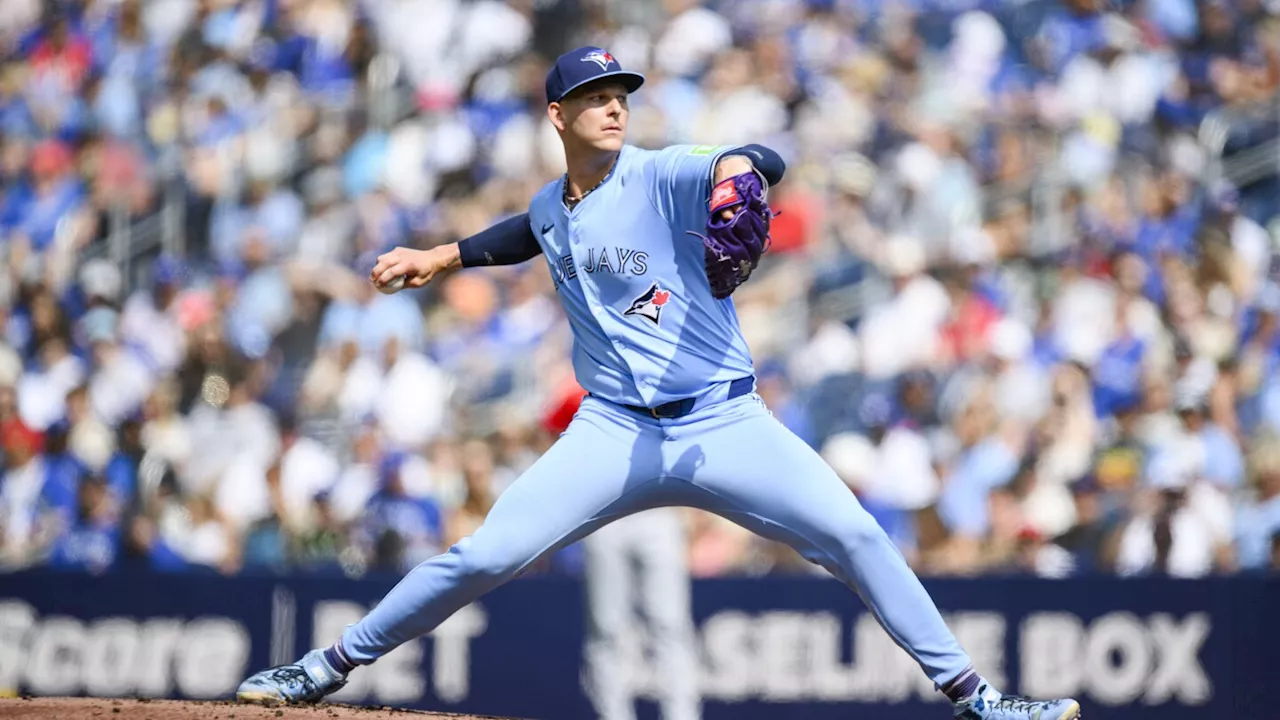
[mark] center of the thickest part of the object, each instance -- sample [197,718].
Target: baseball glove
[733,246]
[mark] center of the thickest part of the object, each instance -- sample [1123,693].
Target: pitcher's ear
[555,112]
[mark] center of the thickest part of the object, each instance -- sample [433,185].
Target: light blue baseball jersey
[633,283]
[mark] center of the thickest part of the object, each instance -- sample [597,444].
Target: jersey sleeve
[509,242]
[679,182]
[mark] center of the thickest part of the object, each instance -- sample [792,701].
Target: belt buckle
[657,413]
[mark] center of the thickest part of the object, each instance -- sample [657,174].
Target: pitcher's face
[594,115]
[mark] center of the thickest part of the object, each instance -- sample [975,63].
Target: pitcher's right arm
[509,242]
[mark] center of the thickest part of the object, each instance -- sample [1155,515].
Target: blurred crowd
[1012,297]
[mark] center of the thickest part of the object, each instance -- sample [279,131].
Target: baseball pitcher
[645,249]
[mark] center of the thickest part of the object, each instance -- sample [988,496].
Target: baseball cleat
[988,704]
[303,682]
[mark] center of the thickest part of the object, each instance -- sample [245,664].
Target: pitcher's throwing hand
[417,267]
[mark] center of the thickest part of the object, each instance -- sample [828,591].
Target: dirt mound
[106,709]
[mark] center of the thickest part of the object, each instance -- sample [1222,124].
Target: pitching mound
[102,709]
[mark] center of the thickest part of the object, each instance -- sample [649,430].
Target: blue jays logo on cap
[599,57]
[579,67]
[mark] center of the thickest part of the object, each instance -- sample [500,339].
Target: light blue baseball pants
[641,557]
[731,458]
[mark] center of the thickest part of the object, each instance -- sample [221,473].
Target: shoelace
[1014,702]
[292,677]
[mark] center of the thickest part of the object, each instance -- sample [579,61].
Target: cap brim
[630,80]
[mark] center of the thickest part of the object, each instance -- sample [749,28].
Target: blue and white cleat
[988,704]
[303,682]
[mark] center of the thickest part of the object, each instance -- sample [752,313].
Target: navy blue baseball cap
[579,67]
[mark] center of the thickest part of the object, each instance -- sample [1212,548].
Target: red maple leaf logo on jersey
[649,304]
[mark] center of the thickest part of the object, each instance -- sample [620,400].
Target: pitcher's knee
[487,561]
[861,535]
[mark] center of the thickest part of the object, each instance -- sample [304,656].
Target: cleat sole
[1071,713]
[257,698]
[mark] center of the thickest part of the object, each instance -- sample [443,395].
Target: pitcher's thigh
[588,477]
[764,477]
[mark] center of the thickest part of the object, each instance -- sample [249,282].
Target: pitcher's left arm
[738,218]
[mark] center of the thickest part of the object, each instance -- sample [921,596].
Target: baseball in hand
[396,285]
